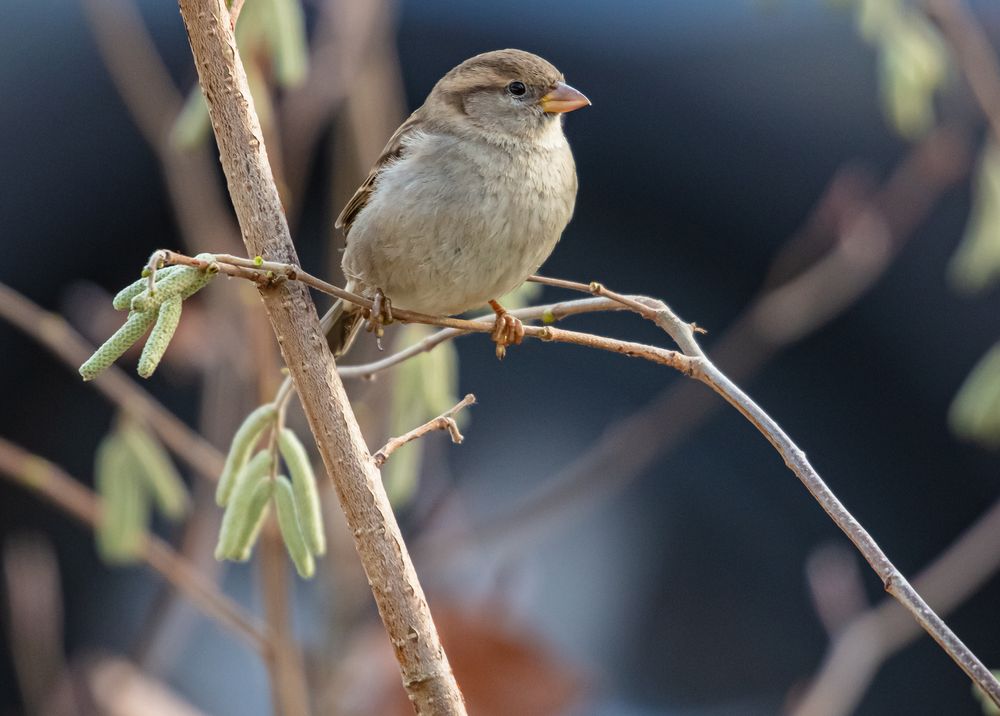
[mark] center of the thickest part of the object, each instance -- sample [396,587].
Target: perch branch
[426,673]
[49,481]
[695,364]
[445,421]
[270,275]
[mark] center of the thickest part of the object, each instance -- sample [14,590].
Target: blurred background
[809,181]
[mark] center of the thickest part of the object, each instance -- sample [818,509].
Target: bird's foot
[379,315]
[507,330]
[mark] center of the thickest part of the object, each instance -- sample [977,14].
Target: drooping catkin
[163,480]
[259,506]
[124,503]
[249,496]
[113,348]
[123,299]
[291,530]
[239,450]
[304,489]
[184,282]
[159,338]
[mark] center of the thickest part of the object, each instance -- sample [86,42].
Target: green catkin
[164,482]
[260,506]
[304,489]
[286,30]
[241,516]
[124,503]
[159,338]
[184,282]
[123,299]
[291,530]
[113,348]
[239,451]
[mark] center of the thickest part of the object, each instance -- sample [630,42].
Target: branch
[695,364]
[795,459]
[855,655]
[50,482]
[270,275]
[426,673]
[445,421]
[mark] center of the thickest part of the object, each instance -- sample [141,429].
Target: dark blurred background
[716,129]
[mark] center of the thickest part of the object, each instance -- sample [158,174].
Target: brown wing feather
[393,150]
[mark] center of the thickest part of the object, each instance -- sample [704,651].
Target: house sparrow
[468,199]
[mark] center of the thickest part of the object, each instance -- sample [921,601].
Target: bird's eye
[517,88]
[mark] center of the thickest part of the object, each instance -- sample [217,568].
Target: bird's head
[509,93]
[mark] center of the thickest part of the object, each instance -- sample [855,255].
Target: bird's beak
[563,99]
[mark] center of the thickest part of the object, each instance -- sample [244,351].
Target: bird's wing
[393,150]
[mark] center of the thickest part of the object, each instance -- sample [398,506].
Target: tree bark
[426,672]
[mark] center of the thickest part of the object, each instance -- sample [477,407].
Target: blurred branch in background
[973,53]
[50,482]
[57,336]
[34,622]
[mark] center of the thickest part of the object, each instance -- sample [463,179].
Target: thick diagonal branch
[426,672]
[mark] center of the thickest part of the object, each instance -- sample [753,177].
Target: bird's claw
[379,315]
[507,330]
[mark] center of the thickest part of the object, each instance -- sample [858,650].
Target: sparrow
[468,198]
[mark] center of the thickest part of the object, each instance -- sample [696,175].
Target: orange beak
[563,99]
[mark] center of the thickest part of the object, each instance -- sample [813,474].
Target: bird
[468,198]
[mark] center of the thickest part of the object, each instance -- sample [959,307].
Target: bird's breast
[455,223]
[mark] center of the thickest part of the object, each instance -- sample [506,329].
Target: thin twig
[445,421]
[795,459]
[855,656]
[271,274]
[52,483]
[548,313]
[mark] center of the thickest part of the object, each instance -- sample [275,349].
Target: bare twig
[549,313]
[445,421]
[427,675]
[895,583]
[860,649]
[55,334]
[271,274]
[50,482]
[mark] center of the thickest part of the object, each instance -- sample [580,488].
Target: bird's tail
[341,325]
